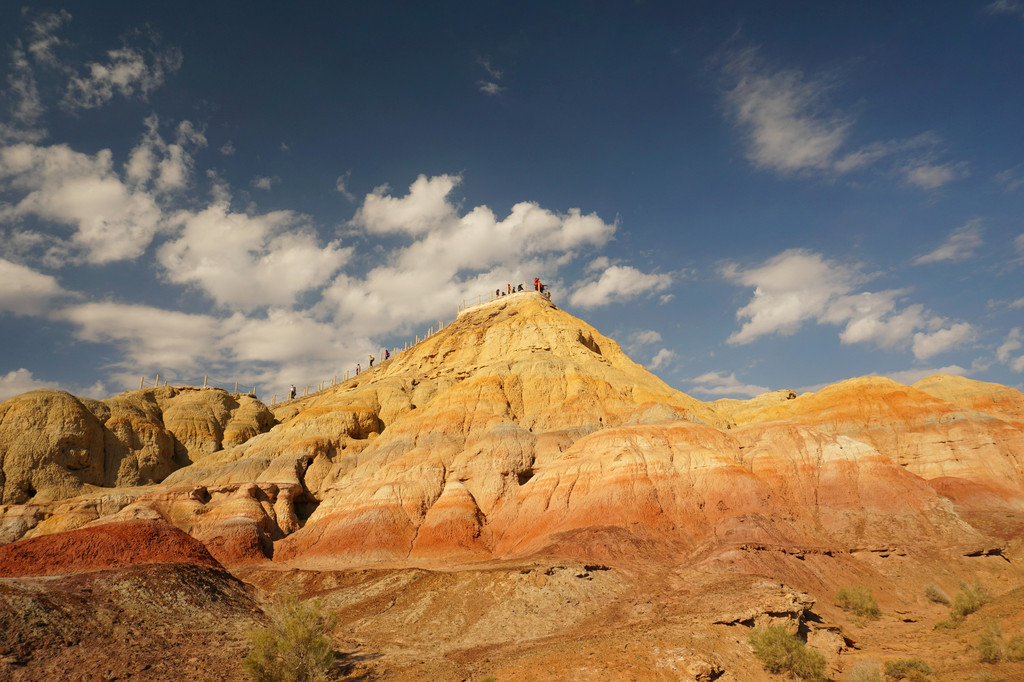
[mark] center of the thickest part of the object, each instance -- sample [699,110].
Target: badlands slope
[514,493]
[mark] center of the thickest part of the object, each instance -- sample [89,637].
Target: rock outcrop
[54,446]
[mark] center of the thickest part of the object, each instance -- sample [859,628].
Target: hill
[519,452]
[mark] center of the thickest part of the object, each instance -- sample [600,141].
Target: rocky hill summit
[518,450]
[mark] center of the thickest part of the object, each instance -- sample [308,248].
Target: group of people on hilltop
[537,286]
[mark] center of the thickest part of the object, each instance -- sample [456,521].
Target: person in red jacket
[536,283]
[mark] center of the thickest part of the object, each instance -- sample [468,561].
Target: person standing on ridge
[357,369]
[371,361]
[291,393]
[536,283]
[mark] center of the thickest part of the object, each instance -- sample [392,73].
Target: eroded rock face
[51,446]
[54,446]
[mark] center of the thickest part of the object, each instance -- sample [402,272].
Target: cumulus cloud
[661,359]
[716,383]
[246,261]
[1007,353]
[128,71]
[424,208]
[109,220]
[789,289]
[960,245]
[22,380]
[24,291]
[617,284]
[282,347]
[450,256]
[927,344]
[164,167]
[797,286]
[643,337]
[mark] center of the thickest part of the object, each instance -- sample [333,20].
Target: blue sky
[747,197]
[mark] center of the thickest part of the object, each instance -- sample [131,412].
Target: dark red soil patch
[111,545]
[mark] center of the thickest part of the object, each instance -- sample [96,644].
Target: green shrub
[858,600]
[865,671]
[295,648]
[780,651]
[1015,648]
[936,594]
[969,599]
[912,669]
[990,643]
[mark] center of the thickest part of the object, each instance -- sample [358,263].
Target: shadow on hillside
[351,666]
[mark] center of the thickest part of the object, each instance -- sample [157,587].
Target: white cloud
[960,245]
[168,166]
[275,350]
[24,291]
[127,72]
[789,289]
[1018,243]
[149,337]
[928,175]
[341,184]
[264,183]
[792,127]
[489,88]
[715,383]
[618,283]
[227,149]
[661,358]
[250,261]
[109,220]
[797,286]
[490,85]
[452,257]
[1006,352]
[43,29]
[423,209]
[789,126]
[927,344]
[644,337]
[21,381]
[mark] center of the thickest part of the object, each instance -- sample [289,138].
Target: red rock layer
[110,545]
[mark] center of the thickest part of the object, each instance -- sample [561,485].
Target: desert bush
[1015,648]
[911,669]
[990,643]
[295,648]
[858,600]
[778,651]
[969,599]
[936,594]
[865,671]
